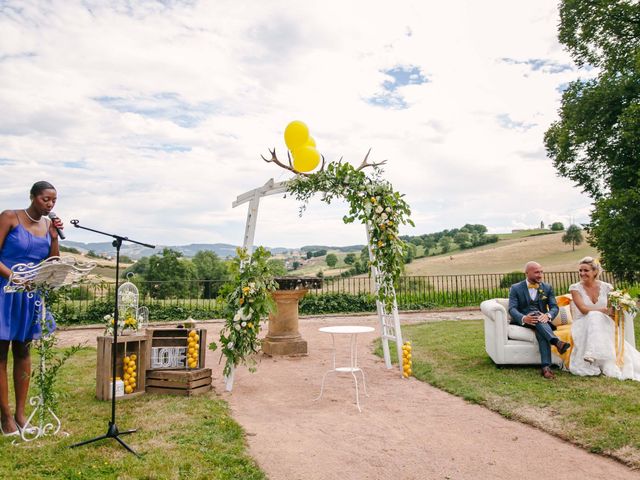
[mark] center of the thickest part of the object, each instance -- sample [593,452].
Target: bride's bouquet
[621,300]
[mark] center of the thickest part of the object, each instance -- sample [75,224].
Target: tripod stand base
[112,432]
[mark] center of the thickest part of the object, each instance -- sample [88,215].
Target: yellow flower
[241,301]
[380,243]
[382,226]
[245,290]
[250,325]
[390,222]
[373,200]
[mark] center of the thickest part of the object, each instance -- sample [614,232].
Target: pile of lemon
[193,349]
[129,376]
[406,359]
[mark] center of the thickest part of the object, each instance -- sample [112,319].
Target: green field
[509,254]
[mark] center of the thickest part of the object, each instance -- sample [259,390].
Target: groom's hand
[530,319]
[544,318]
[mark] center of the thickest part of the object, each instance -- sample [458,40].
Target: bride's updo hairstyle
[593,263]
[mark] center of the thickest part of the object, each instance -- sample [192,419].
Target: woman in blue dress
[26,236]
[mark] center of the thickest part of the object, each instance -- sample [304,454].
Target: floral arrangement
[373,202]
[127,322]
[247,305]
[621,300]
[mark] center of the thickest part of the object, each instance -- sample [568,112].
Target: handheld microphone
[53,216]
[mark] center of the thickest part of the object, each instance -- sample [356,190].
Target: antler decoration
[365,164]
[274,159]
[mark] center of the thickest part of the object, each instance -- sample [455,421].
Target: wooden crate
[174,338]
[179,382]
[127,344]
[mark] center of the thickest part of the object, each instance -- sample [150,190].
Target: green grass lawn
[177,437]
[597,413]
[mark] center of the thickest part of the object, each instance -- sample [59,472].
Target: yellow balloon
[311,142]
[296,135]
[305,159]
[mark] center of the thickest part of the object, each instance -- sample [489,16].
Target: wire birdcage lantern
[128,298]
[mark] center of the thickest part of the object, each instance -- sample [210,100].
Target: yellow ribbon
[618,321]
[564,333]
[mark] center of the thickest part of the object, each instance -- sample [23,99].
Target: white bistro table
[353,331]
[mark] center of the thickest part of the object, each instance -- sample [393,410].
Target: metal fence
[412,291]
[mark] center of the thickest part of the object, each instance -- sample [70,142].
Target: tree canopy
[332,259]
[573,236]
[596,141]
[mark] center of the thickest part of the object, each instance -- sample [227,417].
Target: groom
[532,304]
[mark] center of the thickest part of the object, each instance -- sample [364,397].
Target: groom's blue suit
[521,304]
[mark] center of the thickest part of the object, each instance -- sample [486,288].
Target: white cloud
[150,117]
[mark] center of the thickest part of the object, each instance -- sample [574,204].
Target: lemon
[191,351]
[133,375]
[409,372]
[126,360]
[133,357]
[133,366]
[405,375]
[125,376]
[192,333]
[130,370]
[196,337]
[128,389]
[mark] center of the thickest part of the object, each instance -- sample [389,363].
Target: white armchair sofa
[509,344]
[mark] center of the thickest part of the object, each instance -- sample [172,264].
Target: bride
[593,329]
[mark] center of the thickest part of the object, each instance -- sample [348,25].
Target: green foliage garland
[247,305]
[45,374]
[373,202]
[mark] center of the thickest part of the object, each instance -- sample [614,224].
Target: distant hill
[134,251]
[509,254]
[347,249]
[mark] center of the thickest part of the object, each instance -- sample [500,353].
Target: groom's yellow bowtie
[533,285]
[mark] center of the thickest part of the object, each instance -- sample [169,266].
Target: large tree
[573,236]
[211,271]
[596,142]
[170,275]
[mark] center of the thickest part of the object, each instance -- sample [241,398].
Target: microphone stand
[112,429]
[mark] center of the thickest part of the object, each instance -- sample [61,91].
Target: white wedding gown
[594,338]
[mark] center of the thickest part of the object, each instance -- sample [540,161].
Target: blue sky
[150,117]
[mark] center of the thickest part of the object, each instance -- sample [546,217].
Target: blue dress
[18,312]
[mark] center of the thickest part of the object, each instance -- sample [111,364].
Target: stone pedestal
[283,337]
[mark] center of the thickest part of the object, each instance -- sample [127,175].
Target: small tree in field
[557,227]
[573,236]
[350,259]
[332,259]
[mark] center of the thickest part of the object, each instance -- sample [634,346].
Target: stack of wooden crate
[127,345]
[168,372]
